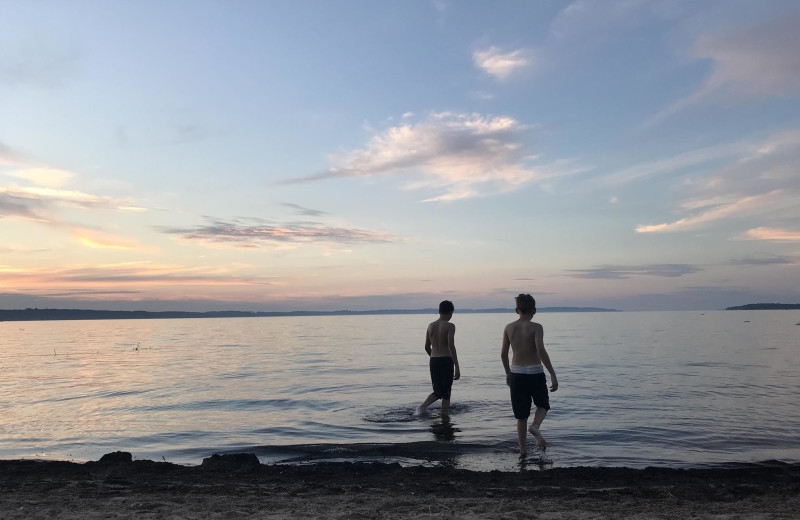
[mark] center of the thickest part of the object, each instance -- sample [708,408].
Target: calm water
[637,389]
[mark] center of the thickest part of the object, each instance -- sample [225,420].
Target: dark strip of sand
[239,487]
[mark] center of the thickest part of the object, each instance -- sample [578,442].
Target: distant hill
[765,307]
[79,314]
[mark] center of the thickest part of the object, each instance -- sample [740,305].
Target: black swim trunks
[442,370]
[525,387]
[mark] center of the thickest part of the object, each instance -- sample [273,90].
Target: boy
[526,376]
[440,346]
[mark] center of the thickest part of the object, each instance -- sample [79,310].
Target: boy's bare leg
[429,401]
[522,434]
[445,406]
[538,417]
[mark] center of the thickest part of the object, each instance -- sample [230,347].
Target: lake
[637,389]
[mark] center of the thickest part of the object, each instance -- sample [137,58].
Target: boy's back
[525,338]
[440,333]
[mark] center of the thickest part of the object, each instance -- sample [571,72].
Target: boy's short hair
[446,307]
[526,304]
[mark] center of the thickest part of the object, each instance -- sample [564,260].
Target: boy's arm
[428,340]
[504,355]
[539,339]
[451,346]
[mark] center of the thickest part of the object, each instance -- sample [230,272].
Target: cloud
[252,233]
[750,178]
[620,272]
[49,198]
[502,65]
[737,208]
[9,156]
[305,211]
[455,155]
[681,162]
[47,177]
[440,5]
[772,260]
[19,207]
[85,277]
[101,240]
[758,60]
[776,235]
[34,64]
[41,204]
[186,133]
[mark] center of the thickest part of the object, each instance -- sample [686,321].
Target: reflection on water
[443,430]
[636,389]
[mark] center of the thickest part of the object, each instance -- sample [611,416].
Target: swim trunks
[442,370]
[527,387]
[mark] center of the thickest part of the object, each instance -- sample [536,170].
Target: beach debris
[236,462]
[117,457]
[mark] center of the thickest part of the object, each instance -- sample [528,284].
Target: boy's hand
[508,379]
[553,384]
[457,374]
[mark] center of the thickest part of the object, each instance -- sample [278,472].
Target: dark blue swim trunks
[442,370]
[527,387]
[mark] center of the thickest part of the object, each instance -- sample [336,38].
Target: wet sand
[238,487]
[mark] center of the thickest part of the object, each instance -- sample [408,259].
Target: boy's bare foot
[420,411]
[540,442]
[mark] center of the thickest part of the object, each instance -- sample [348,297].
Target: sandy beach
[239,487]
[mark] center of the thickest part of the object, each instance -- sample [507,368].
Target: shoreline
[239,486]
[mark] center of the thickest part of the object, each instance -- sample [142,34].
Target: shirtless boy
[440,346]
[526,376]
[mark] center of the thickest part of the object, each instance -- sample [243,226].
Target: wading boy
[440,346]
[526,376]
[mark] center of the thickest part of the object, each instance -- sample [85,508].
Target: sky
[316,155]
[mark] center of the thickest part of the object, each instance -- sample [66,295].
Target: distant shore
[81,314]
[765,307]
[237,486]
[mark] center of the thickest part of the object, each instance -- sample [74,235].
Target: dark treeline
[80,314]
[765,307]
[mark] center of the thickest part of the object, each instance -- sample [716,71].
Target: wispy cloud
[755,61]
[770,260]
[9,156]
[42,203]
[773,234]
[499,64]
[186,133]
[458,155]
[253,233]
[619,272]
[47,177]
[305,211]
[749,179]
[12,206]
[34,64]
[144,274]
[681,161]
[95,239]
[739,208]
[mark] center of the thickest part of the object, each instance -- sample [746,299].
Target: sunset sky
[266,155]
